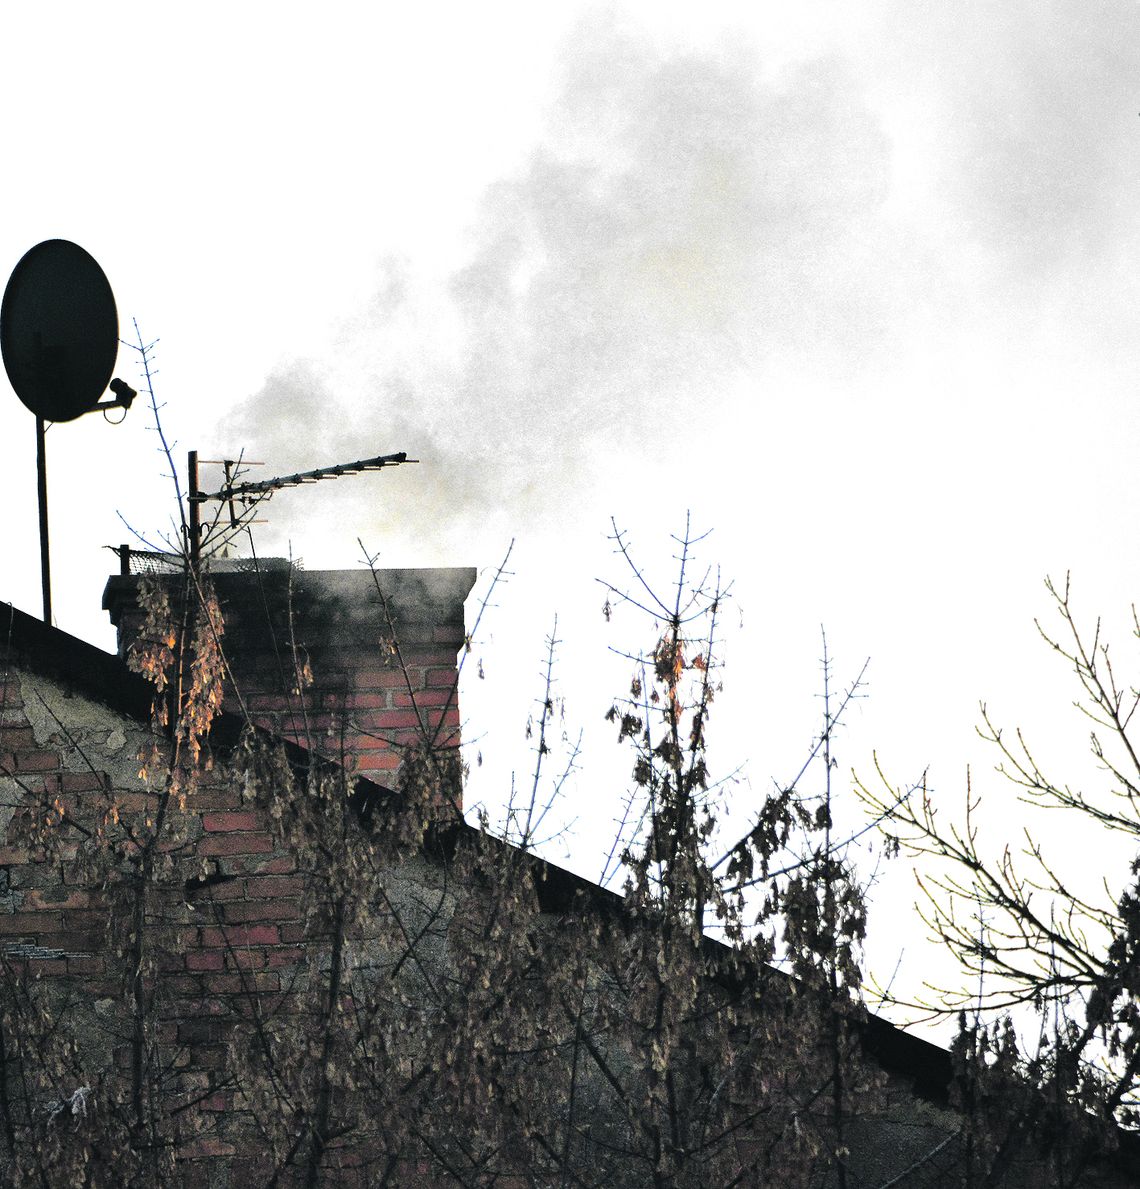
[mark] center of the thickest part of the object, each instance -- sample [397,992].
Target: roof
[104,677]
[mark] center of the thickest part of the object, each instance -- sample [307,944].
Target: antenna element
[249,494]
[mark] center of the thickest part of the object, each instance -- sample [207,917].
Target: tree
[617,1046]
[1065,1083]
[445,1008]
[117,849]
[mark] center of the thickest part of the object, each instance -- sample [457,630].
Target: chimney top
[381,646]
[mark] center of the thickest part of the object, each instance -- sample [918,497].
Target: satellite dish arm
[124,396]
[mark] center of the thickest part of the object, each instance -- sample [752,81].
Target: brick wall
[227,922]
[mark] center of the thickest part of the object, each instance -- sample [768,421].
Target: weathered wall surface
[233,941]
[59,753]
[75,772]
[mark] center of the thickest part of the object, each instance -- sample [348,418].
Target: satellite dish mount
[59,335]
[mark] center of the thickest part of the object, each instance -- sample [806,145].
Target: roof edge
[53,653]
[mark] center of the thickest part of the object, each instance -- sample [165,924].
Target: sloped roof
[35,647]
[38,648]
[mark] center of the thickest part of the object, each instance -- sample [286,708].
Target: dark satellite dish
[59,330]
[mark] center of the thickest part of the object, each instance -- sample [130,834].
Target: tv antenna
[59,335]
[248,495]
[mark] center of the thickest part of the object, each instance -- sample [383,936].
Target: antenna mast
[250,494]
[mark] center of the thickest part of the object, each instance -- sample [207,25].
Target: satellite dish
[59,330]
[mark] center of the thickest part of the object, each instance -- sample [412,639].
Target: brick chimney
[363,705]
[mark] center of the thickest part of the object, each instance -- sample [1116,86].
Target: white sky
[855,283]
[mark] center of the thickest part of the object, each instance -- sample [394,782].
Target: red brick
[195,1174]
[230,890]
[259,1171]
[89,919]
[281,865]
[39,898]
[209,1146]
[82,782]
[267,887]
[29,922]
[183,984]
[237,984]
[205,960]
[380,761]
[365,701]
[268,910]
[39,966]
[211,800]
[203,1030]
[35,761]
[230,821]
[272,703]
[425,697]
[246,960]
[240,935]
[75,943]
[430,658]
[17,739]
[134,802]
[91,965]
[258,864]
[374,743]
[247,843]
[287,955]
[403,740]
[364,680]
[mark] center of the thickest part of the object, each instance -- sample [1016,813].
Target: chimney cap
[410,593]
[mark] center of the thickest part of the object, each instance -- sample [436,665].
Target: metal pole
[195,502]
[45,558]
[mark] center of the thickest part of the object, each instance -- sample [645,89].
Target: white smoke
[682,220]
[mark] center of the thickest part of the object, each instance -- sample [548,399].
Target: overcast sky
[856,284]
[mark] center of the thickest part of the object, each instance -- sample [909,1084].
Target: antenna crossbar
[248,494]
[265,486]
